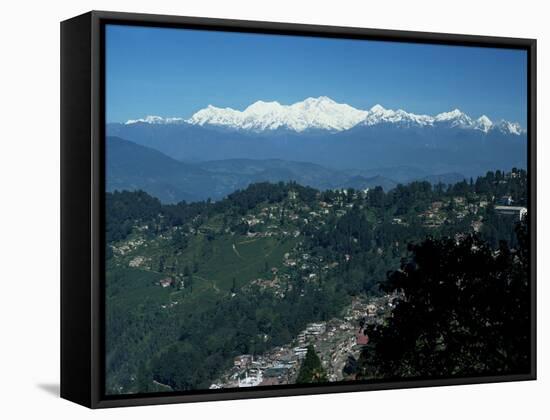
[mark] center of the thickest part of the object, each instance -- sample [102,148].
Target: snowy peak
[154,119]
[261,107]
[454,118]
[380,115]
[323,113]
[378,109]
[320,103]
[215,116]
[451,115]
[312,113]
[483,123]
[508,127]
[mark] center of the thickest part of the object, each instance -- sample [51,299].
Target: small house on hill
[518,212]
[166,282]
[243,360]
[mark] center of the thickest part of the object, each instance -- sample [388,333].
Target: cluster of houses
[295,263]
[128,246]
[279,285]
[437,213]
[311,332]
[273,368]
[138,261]
[334,341]
[266,222]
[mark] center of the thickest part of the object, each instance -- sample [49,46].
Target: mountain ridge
[323,113]
[133,167]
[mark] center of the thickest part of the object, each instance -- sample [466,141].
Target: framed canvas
[254,209]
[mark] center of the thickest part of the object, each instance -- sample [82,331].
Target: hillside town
[335,341]
[284,260]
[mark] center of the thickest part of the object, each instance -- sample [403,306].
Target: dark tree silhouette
[463,310]
[311,370]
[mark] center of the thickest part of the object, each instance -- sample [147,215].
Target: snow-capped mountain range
[333,135]
[323,113]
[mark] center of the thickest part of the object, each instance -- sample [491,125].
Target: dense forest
[192,285]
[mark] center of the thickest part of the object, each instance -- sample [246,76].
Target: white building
[516,211]
[253,377]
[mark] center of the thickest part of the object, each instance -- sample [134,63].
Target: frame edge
[76,364]
[96,19]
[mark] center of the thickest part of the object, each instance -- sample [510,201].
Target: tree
[311,370]
[161,264]
[464,310]
[375,197]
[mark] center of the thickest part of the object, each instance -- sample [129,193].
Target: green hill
[192,285]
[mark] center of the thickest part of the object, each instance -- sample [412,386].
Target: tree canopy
[462,310]
[311,370]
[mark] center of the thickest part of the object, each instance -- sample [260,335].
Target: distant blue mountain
[429,150]
[134,167]
[130,166]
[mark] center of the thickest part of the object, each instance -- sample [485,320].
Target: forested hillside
[189,286]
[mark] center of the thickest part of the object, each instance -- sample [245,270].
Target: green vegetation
[311,370]
[192,285]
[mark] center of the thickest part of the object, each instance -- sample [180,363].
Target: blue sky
[176,72]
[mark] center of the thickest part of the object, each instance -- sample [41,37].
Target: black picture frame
[82,202]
